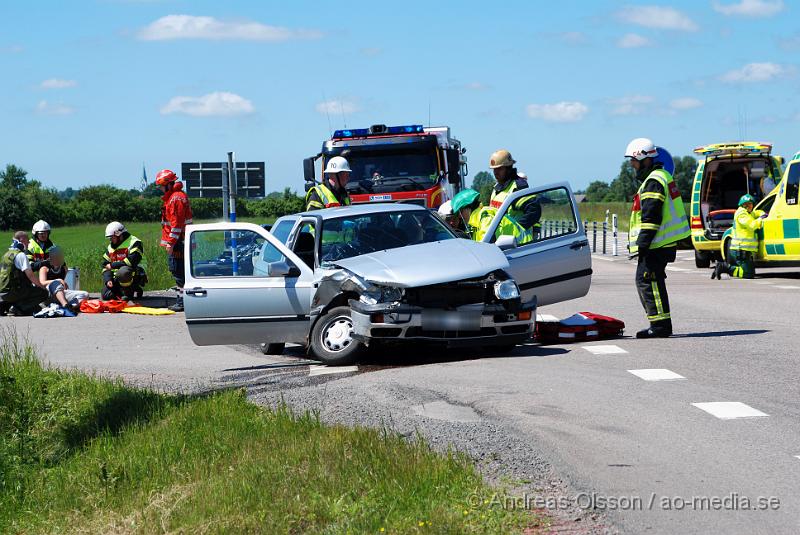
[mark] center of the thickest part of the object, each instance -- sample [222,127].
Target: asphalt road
[571,423]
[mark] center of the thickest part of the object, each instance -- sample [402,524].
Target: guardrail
[604,230]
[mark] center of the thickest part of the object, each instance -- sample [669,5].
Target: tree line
[621,188]
[23,201]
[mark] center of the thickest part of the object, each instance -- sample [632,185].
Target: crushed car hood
[427,263]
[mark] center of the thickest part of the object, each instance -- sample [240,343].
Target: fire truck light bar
[378,130]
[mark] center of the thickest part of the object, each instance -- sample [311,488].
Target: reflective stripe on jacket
[515,210]
[176,213]
[37,253]
[674,225]
[745,224]
[123,251]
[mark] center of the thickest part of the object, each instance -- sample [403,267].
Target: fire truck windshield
[386,171]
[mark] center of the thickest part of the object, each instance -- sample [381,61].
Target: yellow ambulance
[725,173]
[779,239]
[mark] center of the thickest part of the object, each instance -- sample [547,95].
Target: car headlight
[505,290]
[381,294]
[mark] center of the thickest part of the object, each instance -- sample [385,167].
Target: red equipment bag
[114,305]
[607,326]
[91,306]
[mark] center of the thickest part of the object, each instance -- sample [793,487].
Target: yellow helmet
[501,158]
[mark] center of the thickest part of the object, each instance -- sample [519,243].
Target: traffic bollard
[594,236]
[605,228]
[614,249]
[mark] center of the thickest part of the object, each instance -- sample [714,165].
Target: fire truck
[411,163]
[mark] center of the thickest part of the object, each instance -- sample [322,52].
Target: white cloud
[631,104]
[190,27]
[750,8]
[685,103]
[53,108]
[57,83]
[219,103]
[633,40]
[754,72]
[573,38]
[657,17]
[560,112]
[335,106]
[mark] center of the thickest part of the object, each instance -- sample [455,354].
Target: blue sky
[93,89]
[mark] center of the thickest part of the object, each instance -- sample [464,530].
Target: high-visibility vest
[120,253]
[327,196]
[481,219]
[674,225]
[35,251]
[498,197]
[745,224]
[11,278]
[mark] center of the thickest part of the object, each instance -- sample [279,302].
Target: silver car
[337,280]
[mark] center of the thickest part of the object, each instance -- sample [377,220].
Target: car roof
[364,209]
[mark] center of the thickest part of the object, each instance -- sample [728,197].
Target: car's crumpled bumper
[478,324]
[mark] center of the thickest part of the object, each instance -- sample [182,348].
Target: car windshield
[346,237]
[387,171]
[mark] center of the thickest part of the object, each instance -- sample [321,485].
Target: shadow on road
[271,366]
[398,356]
[715,334]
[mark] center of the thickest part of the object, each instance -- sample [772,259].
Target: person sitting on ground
[123,276]
[53,274]
[39,247]
[21,293]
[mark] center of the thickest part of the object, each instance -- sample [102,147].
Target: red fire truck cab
[416,164]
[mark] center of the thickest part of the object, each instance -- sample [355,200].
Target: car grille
[451,294]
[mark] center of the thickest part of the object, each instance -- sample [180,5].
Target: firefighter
[176,213]
[526,210]
[658,222]
[332,191]
[39,246]
[477,219]
[20,290]
[744,242]
[123,275]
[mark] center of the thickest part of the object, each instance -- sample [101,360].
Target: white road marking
[763,282]
[326,370]
[672,268]
[546,317]
[604,350]
[729,410]
[656,374]
[797,456]
[606,258]
[789,287]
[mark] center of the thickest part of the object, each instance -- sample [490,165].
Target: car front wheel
[332,339]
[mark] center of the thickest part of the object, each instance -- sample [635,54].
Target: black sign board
[204,179]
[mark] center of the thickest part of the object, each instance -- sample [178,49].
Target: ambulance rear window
[793,183]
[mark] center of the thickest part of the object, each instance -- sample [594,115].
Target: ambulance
[725,173]
[779,239]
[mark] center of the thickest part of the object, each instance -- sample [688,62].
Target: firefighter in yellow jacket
[744,243]
[658,222]
[332,192]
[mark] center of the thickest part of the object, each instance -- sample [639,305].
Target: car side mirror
[282,269]
[308,169]
[506,242]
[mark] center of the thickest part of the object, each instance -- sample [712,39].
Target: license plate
[380,197]
[447,320]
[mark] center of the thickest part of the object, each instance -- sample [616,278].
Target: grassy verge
[84,246]
[79,454]
[596,211]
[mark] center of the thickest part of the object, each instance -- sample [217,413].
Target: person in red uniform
[176,213]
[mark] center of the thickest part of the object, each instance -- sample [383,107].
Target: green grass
[596,211]
[81,454]
[84,246]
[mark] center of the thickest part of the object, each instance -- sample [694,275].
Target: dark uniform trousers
[651,285]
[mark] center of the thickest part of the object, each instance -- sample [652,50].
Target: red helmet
[164,177]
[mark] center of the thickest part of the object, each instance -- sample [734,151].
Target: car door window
[283,230]
[213,253]
[558,217]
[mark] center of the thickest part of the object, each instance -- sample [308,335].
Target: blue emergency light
[378,130]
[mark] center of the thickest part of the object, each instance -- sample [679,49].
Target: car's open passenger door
[557,264]
[244,287]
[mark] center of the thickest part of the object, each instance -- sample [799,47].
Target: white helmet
[115,228]
[446,209]
[41,226]
[641,148]
[337,164]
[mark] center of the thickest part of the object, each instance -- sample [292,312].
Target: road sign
[204,179]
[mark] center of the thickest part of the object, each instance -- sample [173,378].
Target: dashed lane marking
[607,259]
[656,374]
[789,287]
[680,270]
[546,317]
[604,350]
[762,282]
[730,410]
[326,370]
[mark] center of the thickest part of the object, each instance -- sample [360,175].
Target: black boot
[719,269]
[658,329]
